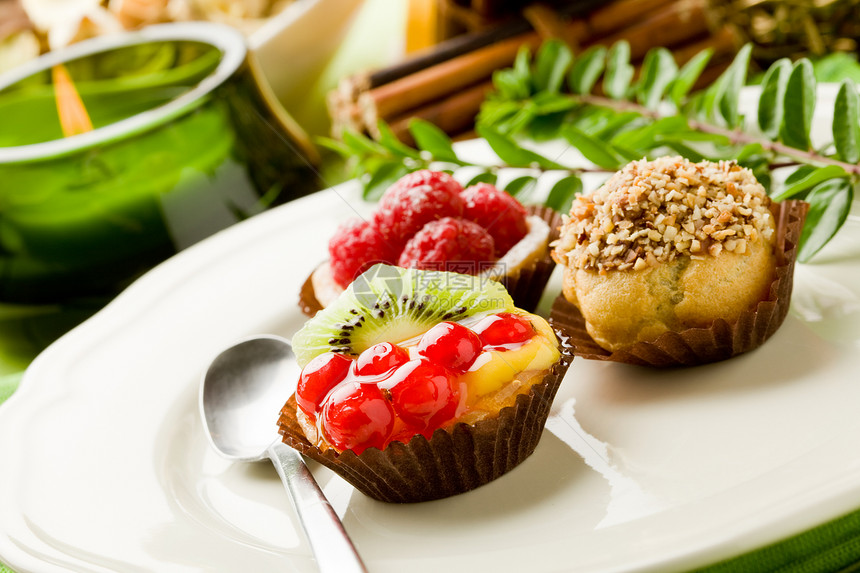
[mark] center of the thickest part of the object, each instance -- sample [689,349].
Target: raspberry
[355,247]
[496,211]
[446,241]
[415,200]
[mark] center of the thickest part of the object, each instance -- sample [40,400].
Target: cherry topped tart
[426,220]
[404,352]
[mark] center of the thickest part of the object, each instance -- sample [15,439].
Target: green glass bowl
[187,141]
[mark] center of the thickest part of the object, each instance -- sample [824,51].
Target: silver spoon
[240,397]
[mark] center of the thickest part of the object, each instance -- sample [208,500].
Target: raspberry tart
[426,220]
[418,385]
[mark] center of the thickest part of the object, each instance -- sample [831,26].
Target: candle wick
[74,118]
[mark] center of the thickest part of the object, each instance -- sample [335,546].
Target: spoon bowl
[241,395]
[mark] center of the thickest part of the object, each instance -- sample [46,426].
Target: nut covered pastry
[667,245]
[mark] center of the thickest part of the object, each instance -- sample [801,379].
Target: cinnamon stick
[686,19]
[548,24]
[621,14]
[671,26]
[603,20]
[452,115]
[447,90]
[432,83]
[444,51]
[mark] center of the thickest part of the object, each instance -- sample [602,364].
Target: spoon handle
[329,541]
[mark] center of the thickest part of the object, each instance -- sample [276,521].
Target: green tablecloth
[830,548]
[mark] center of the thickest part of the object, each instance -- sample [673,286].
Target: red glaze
[496,211]
[504,328]
[379,359]
[357,416]
[318,377]
[449,240]
[422,394]
[452,345]
[404,433]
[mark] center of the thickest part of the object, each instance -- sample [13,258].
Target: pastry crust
[715,259]
[622,308]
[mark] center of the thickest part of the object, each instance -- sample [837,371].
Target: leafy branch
[379,162]
[599,105]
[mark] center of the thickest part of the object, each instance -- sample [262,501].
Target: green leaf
[770,104]
[658,71]
[519,120]
[685,151]
[626,155]
[383,178]
[688,75]
[389,141]
[563,192]
[433,140]
[615,124]
[836,67]
[846,123]
[334,145]
[511,85]
[647,137]
[551,63]
[546,127]
[522,63]
[494,112]
[707,104]
[483,177]
[546,102]
[693,135]
[596,151]
[749,151]
[619,72]
[735,78]
[522,188]
[591,119]
[829,204]
[587,69]
[799,174]
[511,153]
[807,179]
[799,105]
[360,144]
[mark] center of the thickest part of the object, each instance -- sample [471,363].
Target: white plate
[105,466]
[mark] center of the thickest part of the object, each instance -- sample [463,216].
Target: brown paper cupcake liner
[453,461]
[525,286]
[723,339]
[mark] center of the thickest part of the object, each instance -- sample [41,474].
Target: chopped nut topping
[653,211]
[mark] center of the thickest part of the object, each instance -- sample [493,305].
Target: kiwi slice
[392,304]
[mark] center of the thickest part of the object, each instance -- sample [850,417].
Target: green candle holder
[186,142]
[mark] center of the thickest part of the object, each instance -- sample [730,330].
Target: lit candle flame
[74,118]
